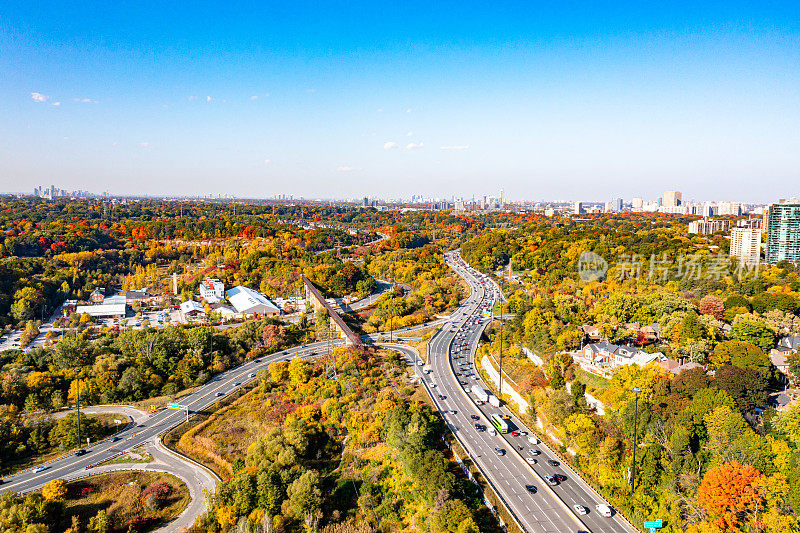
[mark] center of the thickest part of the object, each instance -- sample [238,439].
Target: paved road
[156,424]
[451,356]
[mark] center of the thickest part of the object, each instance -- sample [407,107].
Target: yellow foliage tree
[56,490]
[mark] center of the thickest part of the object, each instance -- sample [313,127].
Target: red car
[515,433]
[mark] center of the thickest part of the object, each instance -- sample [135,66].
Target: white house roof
[246,300]
[190,305]
[116,299]
[101,310]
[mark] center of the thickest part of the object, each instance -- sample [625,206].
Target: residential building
[783,231]
[708,227]
[578,208]
[192,310]
[97,296]
[672,199]
[605,354]
[212,290]
[246,301]
[746,245]
[637,204]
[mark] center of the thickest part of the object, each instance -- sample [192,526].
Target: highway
[453,373]
[157,424]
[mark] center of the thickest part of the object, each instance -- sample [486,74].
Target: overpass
[318,302]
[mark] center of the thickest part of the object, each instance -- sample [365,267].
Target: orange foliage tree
[730,492]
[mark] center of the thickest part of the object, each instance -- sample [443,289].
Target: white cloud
[456,147]
[144,144]
[390,145]
[56,104]
[345,169]
[39,97]
[414,146]
[410,134]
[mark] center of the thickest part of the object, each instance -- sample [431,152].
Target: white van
[604,510]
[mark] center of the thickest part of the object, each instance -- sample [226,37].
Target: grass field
[137,455]
[123,496]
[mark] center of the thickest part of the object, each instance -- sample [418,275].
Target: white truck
[494,400]
[480,393]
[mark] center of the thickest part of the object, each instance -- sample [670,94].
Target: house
[780,361]
[192,310]
[212,290]
[591,332]
[651,332]
[610,355]
[246,301]
[788,345]
[675,367]
[97,296]
[223,310]
[785,399]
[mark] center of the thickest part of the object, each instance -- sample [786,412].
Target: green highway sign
[654,523]
[173,406]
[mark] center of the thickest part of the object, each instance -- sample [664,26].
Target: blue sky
[583,100]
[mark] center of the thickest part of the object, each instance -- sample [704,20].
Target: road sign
[654,523]
[174,406]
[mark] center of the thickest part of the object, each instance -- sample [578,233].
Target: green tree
[304,497]
[754,332]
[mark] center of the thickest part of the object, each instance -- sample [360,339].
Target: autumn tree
[712,305]
[55,490]
[730,492]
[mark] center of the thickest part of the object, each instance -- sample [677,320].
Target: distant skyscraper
[783,231]
[502,199]
[672,199]
[637,203]
[617,204]
[578,208]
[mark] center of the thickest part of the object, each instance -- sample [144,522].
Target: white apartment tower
[746,245]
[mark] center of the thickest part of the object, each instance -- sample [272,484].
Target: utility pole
[636,390]
[78,379]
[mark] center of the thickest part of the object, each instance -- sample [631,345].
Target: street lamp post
[636,390]
[78,379]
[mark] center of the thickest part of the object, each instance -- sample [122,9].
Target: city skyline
[363,100]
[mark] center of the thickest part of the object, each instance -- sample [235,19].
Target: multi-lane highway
[512,463]
[157,424]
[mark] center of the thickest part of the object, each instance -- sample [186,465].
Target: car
[115,439]
[533,440]
[475,417]
[605,510]
[477,426]
[441,396]
[515,433]
[552,463]
[580,509]
[492,432]
[81,451]
[39,469]
[420,363]
[251,375]
[499,451]
[452,411]
[551,480]
[533,451]
[219,393]
[530,460]
[237,383]
[531,488]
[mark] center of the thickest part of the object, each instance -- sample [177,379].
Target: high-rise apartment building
[637,204]
[783,231]
[578,208]
[672,199]
[746,245]
[708,227]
